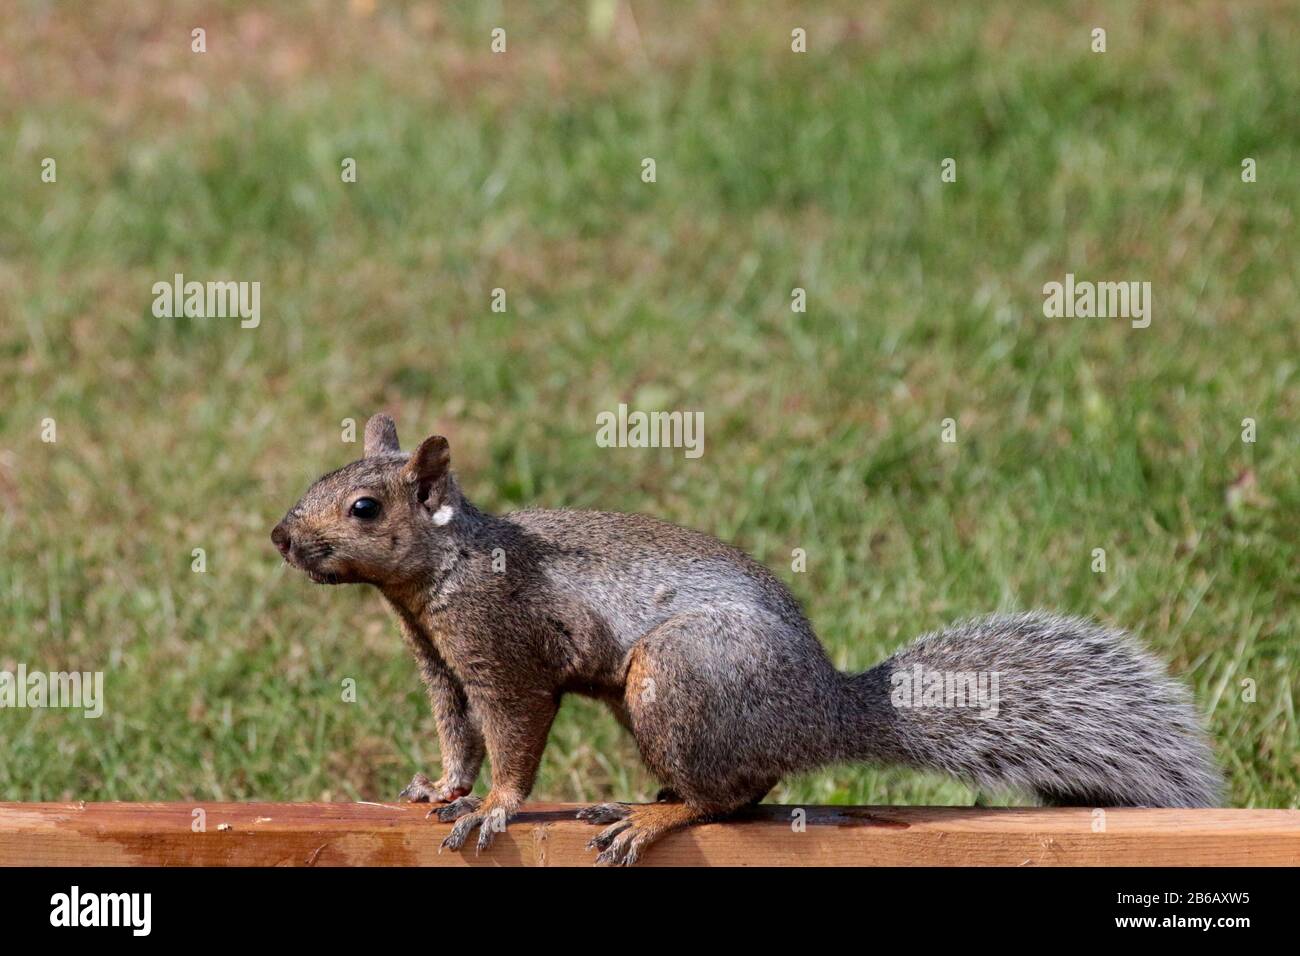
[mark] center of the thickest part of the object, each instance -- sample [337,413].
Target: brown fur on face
[322,537]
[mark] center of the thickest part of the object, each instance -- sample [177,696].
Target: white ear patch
[443,515]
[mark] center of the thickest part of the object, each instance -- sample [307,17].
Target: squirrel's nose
[280,538]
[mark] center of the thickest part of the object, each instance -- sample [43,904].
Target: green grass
[822,429]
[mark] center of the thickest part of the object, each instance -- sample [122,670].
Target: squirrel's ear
[429,468]
[381,436]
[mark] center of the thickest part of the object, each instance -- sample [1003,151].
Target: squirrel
[706,657]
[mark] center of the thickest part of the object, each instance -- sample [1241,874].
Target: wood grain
[351,834]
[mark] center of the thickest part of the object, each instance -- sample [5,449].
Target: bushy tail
[1068,710]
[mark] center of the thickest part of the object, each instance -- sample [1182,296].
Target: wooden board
[350,834]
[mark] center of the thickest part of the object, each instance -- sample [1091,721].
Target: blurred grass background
[521,171]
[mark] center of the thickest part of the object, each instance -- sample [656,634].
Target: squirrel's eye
[364,508]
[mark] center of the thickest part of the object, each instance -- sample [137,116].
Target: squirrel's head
[380,520]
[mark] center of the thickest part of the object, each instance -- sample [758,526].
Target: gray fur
[1086,716]
[707,658]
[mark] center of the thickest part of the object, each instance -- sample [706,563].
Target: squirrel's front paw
[469,812]
[423,790]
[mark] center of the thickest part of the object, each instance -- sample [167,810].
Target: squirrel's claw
[486,834]
[605,837]
[457,808]
[623,843]
[489,825]
[622,848]
[603,813]
[461,831]
[421,790]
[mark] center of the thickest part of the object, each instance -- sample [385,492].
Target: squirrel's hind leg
[708,711]
[623,843]
[609,812]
